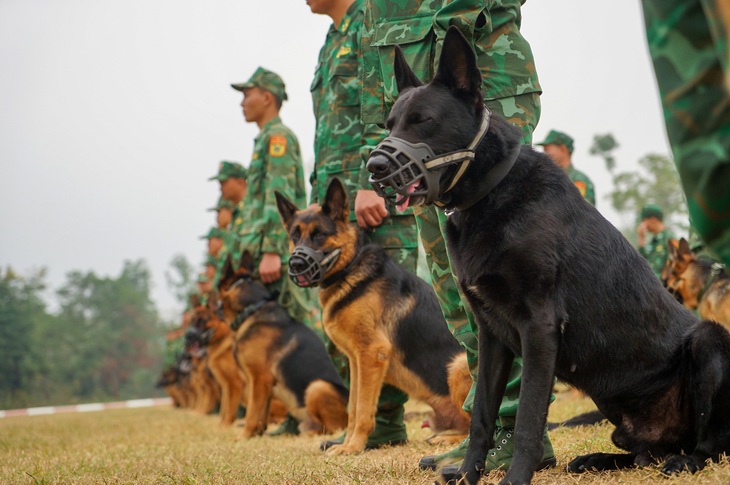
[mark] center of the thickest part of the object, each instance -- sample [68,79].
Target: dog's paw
[344,449]
[599,462]
[676,464]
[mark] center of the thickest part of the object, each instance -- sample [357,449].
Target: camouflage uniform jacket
[655,250]
[276,164]
[504,56]
[342,142]
[583,183]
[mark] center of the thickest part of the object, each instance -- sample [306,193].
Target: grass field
[166,445]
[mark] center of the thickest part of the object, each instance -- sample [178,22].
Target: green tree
[656,182]
[22,310]
[180,278]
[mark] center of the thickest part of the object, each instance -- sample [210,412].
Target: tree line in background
[106,341]
[656,181]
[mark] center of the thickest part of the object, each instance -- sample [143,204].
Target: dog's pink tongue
[403,204]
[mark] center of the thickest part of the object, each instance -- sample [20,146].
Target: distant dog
[386,320]
[280,357]
[215,335]
[548,278]
[700,284]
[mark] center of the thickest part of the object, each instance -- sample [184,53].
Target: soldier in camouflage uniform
[688,42]
[276,165]
[233,179]
[510,88]
[559,147]
[653,248]
[342,145]
[223,213]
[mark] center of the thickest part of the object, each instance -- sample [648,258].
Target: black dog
[549,279]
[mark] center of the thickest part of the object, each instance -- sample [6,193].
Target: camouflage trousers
[523,111]
[688,42]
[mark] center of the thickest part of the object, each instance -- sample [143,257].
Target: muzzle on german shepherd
[386,320]
[548,278]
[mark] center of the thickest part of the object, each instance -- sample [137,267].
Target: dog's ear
[286,208]
[672,246]
[213,301]
[247,261]
[226,273]
[458,68]
[335,202]
[404,76]
[684,249]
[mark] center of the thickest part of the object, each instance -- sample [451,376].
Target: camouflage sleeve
[372,134]
[281,168]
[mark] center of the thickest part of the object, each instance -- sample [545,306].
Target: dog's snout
[297,264]
[377,164]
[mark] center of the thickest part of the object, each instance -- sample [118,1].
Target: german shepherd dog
[280,357]
[386,320]
[216,336]
[548,278]
[699,284]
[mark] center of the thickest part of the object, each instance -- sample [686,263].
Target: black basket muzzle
[399,167]
[308,266]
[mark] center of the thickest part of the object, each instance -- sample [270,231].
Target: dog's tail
[586,419]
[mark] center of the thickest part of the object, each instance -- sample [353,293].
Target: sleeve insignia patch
[277,146]
[581,187]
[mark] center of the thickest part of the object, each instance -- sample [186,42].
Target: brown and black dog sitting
[216,336]
[280,358]
[698,283]
[386,320]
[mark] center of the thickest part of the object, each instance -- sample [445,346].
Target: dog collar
[248,311]
[491,179]
[716,269]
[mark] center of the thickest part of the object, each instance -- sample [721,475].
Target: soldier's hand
[270,268]
[370,209]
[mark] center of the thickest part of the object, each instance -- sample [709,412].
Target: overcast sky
[113,114]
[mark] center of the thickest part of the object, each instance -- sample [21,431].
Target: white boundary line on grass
[86,408]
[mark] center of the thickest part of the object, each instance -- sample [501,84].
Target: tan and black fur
[218,342]
[699,284]
[280,357]
[386,320]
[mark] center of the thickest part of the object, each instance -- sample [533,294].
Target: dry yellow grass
[165,445]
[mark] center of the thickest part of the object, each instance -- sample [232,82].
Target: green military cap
[228,170]
[214,232]
[264,79]
[652,210]
[558,138]
[222,204]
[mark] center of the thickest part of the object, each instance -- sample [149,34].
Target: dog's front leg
[370,365]
[539,354]
[495,363]
[259,393]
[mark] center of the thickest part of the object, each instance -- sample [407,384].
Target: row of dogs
[243,349]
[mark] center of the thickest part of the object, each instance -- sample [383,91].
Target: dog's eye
[417,118]
[295,235]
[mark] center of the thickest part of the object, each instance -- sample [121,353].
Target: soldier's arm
[281,168]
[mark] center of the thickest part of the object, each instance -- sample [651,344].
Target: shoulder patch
[581,187]
[277,146]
